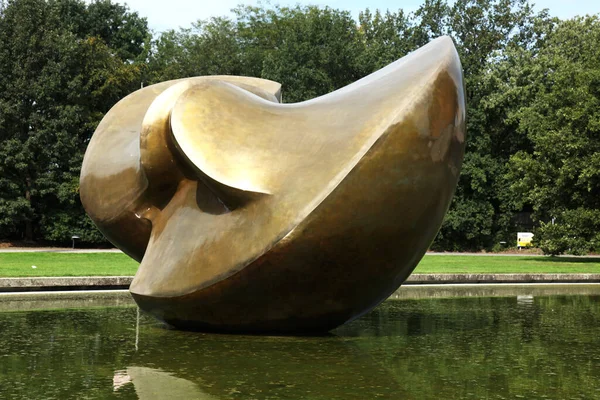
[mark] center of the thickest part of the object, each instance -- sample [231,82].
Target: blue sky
[164,15]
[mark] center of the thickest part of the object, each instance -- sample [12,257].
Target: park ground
[38,264]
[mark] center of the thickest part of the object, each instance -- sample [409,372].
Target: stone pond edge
[123,282]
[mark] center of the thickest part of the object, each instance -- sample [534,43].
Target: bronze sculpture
[253,216]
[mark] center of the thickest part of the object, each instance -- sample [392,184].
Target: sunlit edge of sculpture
[253,216]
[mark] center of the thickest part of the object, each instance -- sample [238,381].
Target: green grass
[64,264]
[104,264]
[441,264]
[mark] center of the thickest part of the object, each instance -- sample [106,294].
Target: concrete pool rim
[77,283]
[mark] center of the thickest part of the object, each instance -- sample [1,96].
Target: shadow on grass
[577,260]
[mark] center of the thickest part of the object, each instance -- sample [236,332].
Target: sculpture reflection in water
[248,215]
[153,383]
[250,367]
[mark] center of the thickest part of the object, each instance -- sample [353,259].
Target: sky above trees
[181,13]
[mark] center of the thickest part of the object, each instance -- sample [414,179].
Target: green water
[520,345]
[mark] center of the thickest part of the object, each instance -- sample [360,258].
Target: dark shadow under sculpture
[248,215]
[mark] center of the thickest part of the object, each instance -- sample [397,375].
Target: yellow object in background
[524,239]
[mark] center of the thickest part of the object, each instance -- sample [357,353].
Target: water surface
[477,343]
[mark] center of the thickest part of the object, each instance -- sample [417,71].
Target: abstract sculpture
[253,216]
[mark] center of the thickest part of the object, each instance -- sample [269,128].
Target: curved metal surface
[250,215]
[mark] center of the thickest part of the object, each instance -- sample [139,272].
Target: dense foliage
[63,64]
[533,92]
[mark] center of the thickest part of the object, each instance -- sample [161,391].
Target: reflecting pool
[475,342]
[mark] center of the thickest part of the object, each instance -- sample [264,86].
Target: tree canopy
[532,81]
[60,71]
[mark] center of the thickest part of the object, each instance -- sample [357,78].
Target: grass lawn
[64,264]
[441,264]
[103,264]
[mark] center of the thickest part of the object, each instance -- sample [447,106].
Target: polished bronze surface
[251,215]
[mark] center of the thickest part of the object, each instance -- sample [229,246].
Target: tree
[559,174]
[210,48]
[531,82]
[484,31]
[310,50]
[384,39]
[315,51]
[55,87]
